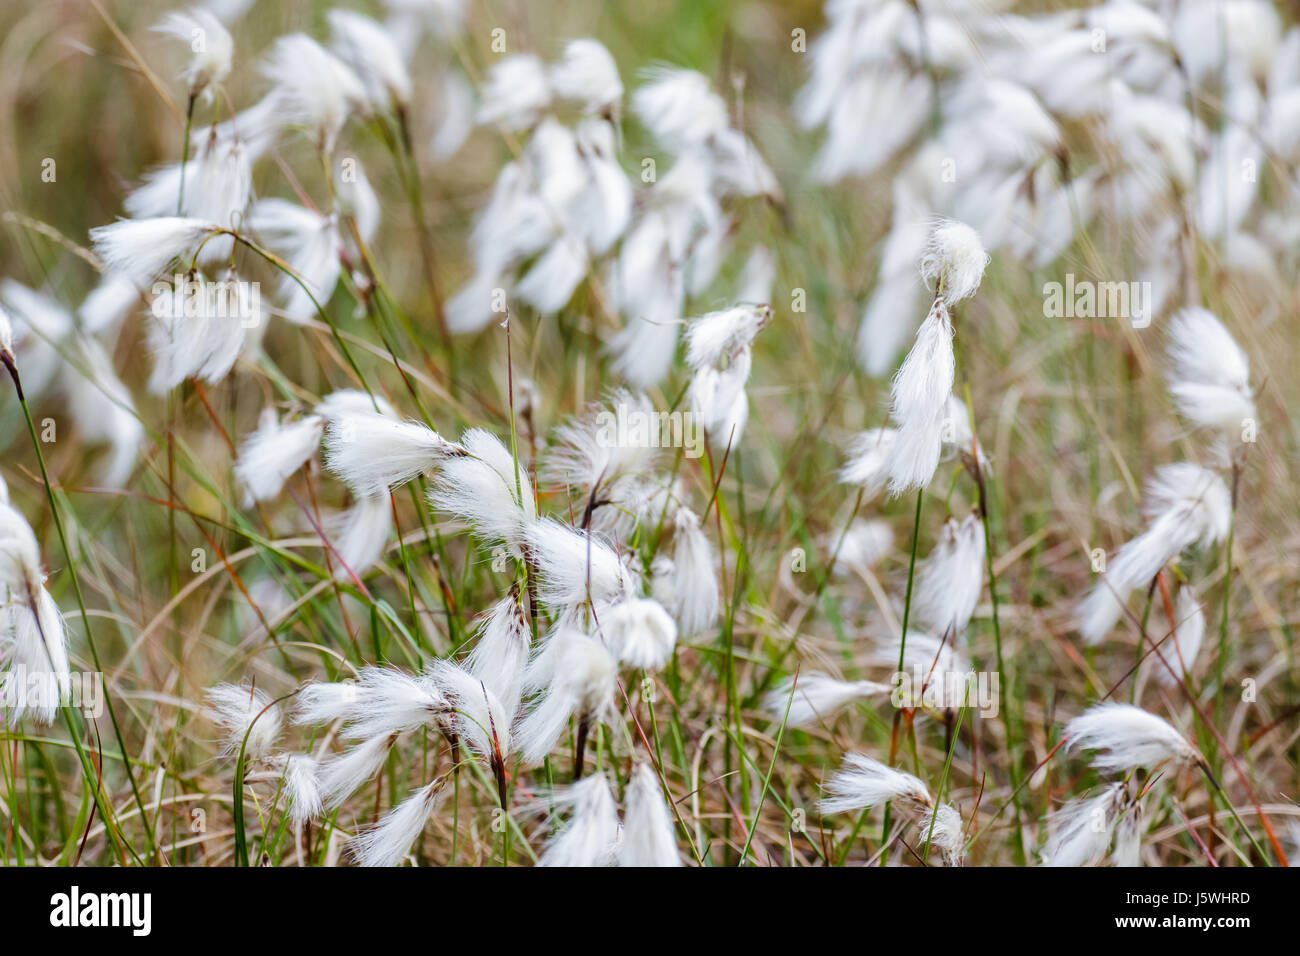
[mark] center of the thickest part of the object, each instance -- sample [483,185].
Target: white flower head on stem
[591,836]
[373,454]
[244,712]
[952,577]
[954,261]
[210,43]
[640,633]
[142,249]
[649,837]
[1127,737]
[1209,374]
[389,841]
[817,698]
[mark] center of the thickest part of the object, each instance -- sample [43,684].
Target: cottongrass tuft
[1127,737]
[649,836]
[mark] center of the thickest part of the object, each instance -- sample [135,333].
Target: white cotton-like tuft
[588,75]
[310,243]
[639,632]
[817,697]
[863,545]
[480,720]
[947,833]
[34,649]
[212,57]
[373,454]
[867,462]
[950,581]
[679,108]
[485,486]
[1209,374]
[591,836]
[648,835]
[692,592]
[579,677]
[389,701]
[1128,737]
[244,712]
[6,334]
[142,249]
[718,336]
[1177,654]
[217,185]
[301,788]
[954,261]
[368,48]
[1185,505]
[20,555]
[865,782]
[515,93]
[103,409]
[342,775]
[272,453]
[1083,829]
[574,566]
[590,448]
[313,88]
[919,399]
[501,652]
[387,842]
[360,535]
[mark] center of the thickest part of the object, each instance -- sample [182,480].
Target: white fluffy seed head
[947,833]
[244,712]
[1175,657]
[867,461]
[208,40]
[587,450]
[679,108]
[389,841]
[1083,829]
[301,789]
[918,402]
[692,592]
[500,653]
[588,75]
[719,336]
[864,782]
[591,836]
[34,648]
[1209,374]
[639,632]
[515,93]
[313,88]
[574,566]
[142,249]
[341,775]
[373,454]
[954,261]
[369,49]
[579,678]
[862,546]
[485,486]
[952,577]
[1185,505]
[648,835]
[1127,737]
[817,698]
[6,333]
[480,720]
[272,453]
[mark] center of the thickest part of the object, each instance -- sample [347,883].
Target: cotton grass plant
[308,453]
